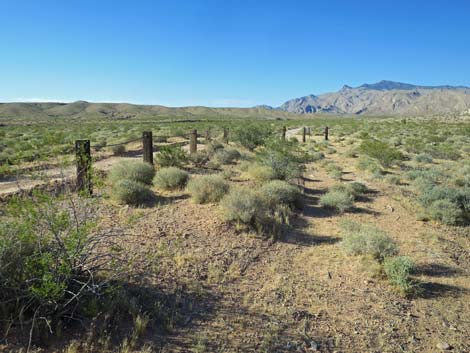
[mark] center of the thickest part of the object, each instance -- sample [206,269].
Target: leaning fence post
[83,158]
[193,142]
[147,144]
[284,130]
[304,132]
[326,133]
[225,138]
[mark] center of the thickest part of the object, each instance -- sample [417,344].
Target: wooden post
[225,138]
[147,144]
[83,158]
[193,142]
[309,131]
[284,130]
[304,132]
[326,133]
[208,137]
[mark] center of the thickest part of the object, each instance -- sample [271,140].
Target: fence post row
[147,144]
[304,132]
[326,133]
[193,142]
[284,130]
[83,158]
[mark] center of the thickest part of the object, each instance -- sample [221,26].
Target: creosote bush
[171,178]
[365,239]
[207,188]
[131,192]
[398,270]
[132,170]
[385,154]
[340,200]
[278,192]
[171,156]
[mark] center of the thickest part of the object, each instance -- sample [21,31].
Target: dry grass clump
[207,188]
[171,178]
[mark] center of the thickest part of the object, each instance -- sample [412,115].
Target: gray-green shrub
[281,192]
[132,170]
[365,239]
[207,188]
[340,200]
[171,178]
[244,205]
[398,270]
[131,192]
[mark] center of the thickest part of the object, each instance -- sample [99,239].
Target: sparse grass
[207,188]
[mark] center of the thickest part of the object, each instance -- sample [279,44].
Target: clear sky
[225,53]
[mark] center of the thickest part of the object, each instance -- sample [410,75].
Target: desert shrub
[226,156]
[363,239]
[354,188]
[317,156]
[281,192]
[423,158]
[50,270]
[252,136]
[381,151]
[260,173]
[199,158]
[171,156]
[171,178]
[446,212]
[207,188]
[119,150]
[340,200]
[131,192]
[334,171]
[398,270]
[160,139]
[213,147]
[132,170]
[244,205]
[393,179]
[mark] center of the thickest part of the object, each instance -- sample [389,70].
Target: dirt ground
[302,293]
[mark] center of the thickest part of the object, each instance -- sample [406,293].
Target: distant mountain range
[381,98]
[385,98]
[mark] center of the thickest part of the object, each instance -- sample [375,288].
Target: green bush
[131,192]
[446,212]
[50,270]
[132,170]
[260,173]
[398,270]
[317,156]
[278,192]
[340,200]
[355,188]
[171,178]
[171,156]
[207,188]
[252,136]
[382,152]
[244,205]
[363,239]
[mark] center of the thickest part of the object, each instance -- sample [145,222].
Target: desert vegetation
[258,244]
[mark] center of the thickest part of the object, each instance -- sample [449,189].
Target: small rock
[443,346]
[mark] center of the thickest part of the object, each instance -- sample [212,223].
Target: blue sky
[225,53]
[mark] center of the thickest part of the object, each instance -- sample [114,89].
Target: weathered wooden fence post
[147,145]
[326,133]
[304,132]
[193,142]
[309,131]
[225,138]
[208,137]
[83,158]
[284,130]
